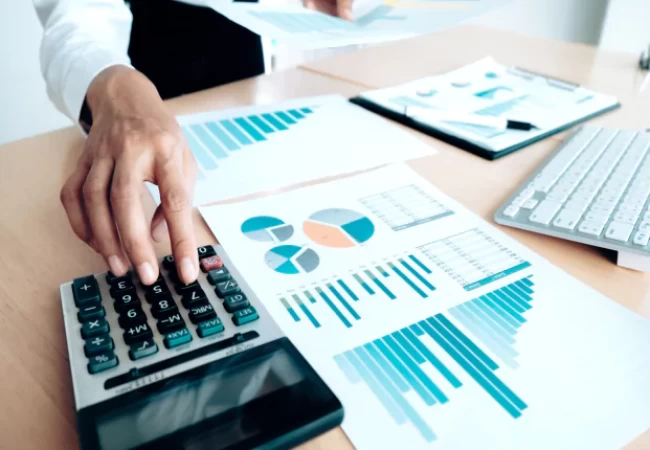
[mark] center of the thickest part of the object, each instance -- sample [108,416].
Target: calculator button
[170,323]
[209,327]
[178,337]
[110,276]
[103,361]
[86,290]
[163,307]
[169,263]
[94,328]
[91,312]
[202,312]
[215,276]
[211,263]
[245,315]
[121,285]
[235,302]
[182,288]
[158,291]
[137,333]
[194,297]
[98,344]
[206,251]
[132,317]
[143,349]
[126,300]
[225,288]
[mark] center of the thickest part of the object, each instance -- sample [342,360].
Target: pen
[474,119]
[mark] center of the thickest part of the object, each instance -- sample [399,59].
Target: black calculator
[198,366]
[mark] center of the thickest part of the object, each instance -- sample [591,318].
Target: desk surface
[39,250]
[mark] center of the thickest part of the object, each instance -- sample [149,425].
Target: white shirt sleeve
[81,38]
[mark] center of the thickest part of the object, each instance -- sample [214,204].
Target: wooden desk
[39,251]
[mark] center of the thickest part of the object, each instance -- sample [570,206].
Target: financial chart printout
[435,329]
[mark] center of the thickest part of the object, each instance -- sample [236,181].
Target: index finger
[176,201]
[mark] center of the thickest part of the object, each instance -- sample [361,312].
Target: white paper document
[435,329]
[258,148]
[373,20]
[489,89]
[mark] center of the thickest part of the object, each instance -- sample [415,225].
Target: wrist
[117,85]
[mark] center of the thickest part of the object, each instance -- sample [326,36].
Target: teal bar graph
[220,138]
[392,367]
[347,290]
[291,311]
[306,311]
[363,284]
[496,317]
[380,285]
[407,280]
[334,308]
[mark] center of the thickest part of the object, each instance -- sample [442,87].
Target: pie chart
[292,259]
[338,228]
[266,229]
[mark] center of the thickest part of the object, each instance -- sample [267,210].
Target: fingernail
[160,231]
[145,271]
[116,265]
[188,272]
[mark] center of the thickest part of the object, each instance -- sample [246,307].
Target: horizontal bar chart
[496,317]
[343,297]
[215,140]
[473,258]
[392,366]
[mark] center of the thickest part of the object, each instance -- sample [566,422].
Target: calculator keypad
[136,318]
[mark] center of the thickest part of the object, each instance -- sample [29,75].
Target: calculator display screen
[242,401]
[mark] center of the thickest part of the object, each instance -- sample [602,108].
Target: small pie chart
[338,228]
[292,259]
[266,229]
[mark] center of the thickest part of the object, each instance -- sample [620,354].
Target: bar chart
[344,296]
[215,140]
[406,207]
[473,258]
[496,317]
[392,366]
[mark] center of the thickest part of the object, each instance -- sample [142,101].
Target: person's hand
[337,8]
[133,139]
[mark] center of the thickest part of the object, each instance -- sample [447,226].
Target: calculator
[198,366]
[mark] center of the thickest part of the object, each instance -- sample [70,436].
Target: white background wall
[627,25]
[25,109]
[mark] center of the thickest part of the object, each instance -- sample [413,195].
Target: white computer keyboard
[594,189]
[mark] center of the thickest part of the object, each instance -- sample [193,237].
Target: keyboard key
[591,228]
[137,333]
[225,288]
[182,288]
[94,328]
[91,311]
[103,361]
[163,307]
[215,276]
[235,302]
[193,297]
[158,291]
[169,263]
[641,238]
[530,203]
[545,212]
[143,349]
[645,226]
[244,316]
[170,323]
[619,231]
[132,317]
[206,251]
[178,337]
[210,327]
[126,300]
[98,344]
[567,219]
[121,285]
[202,312]
[86,290]
[625,218]
[511,211]
[211,263]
